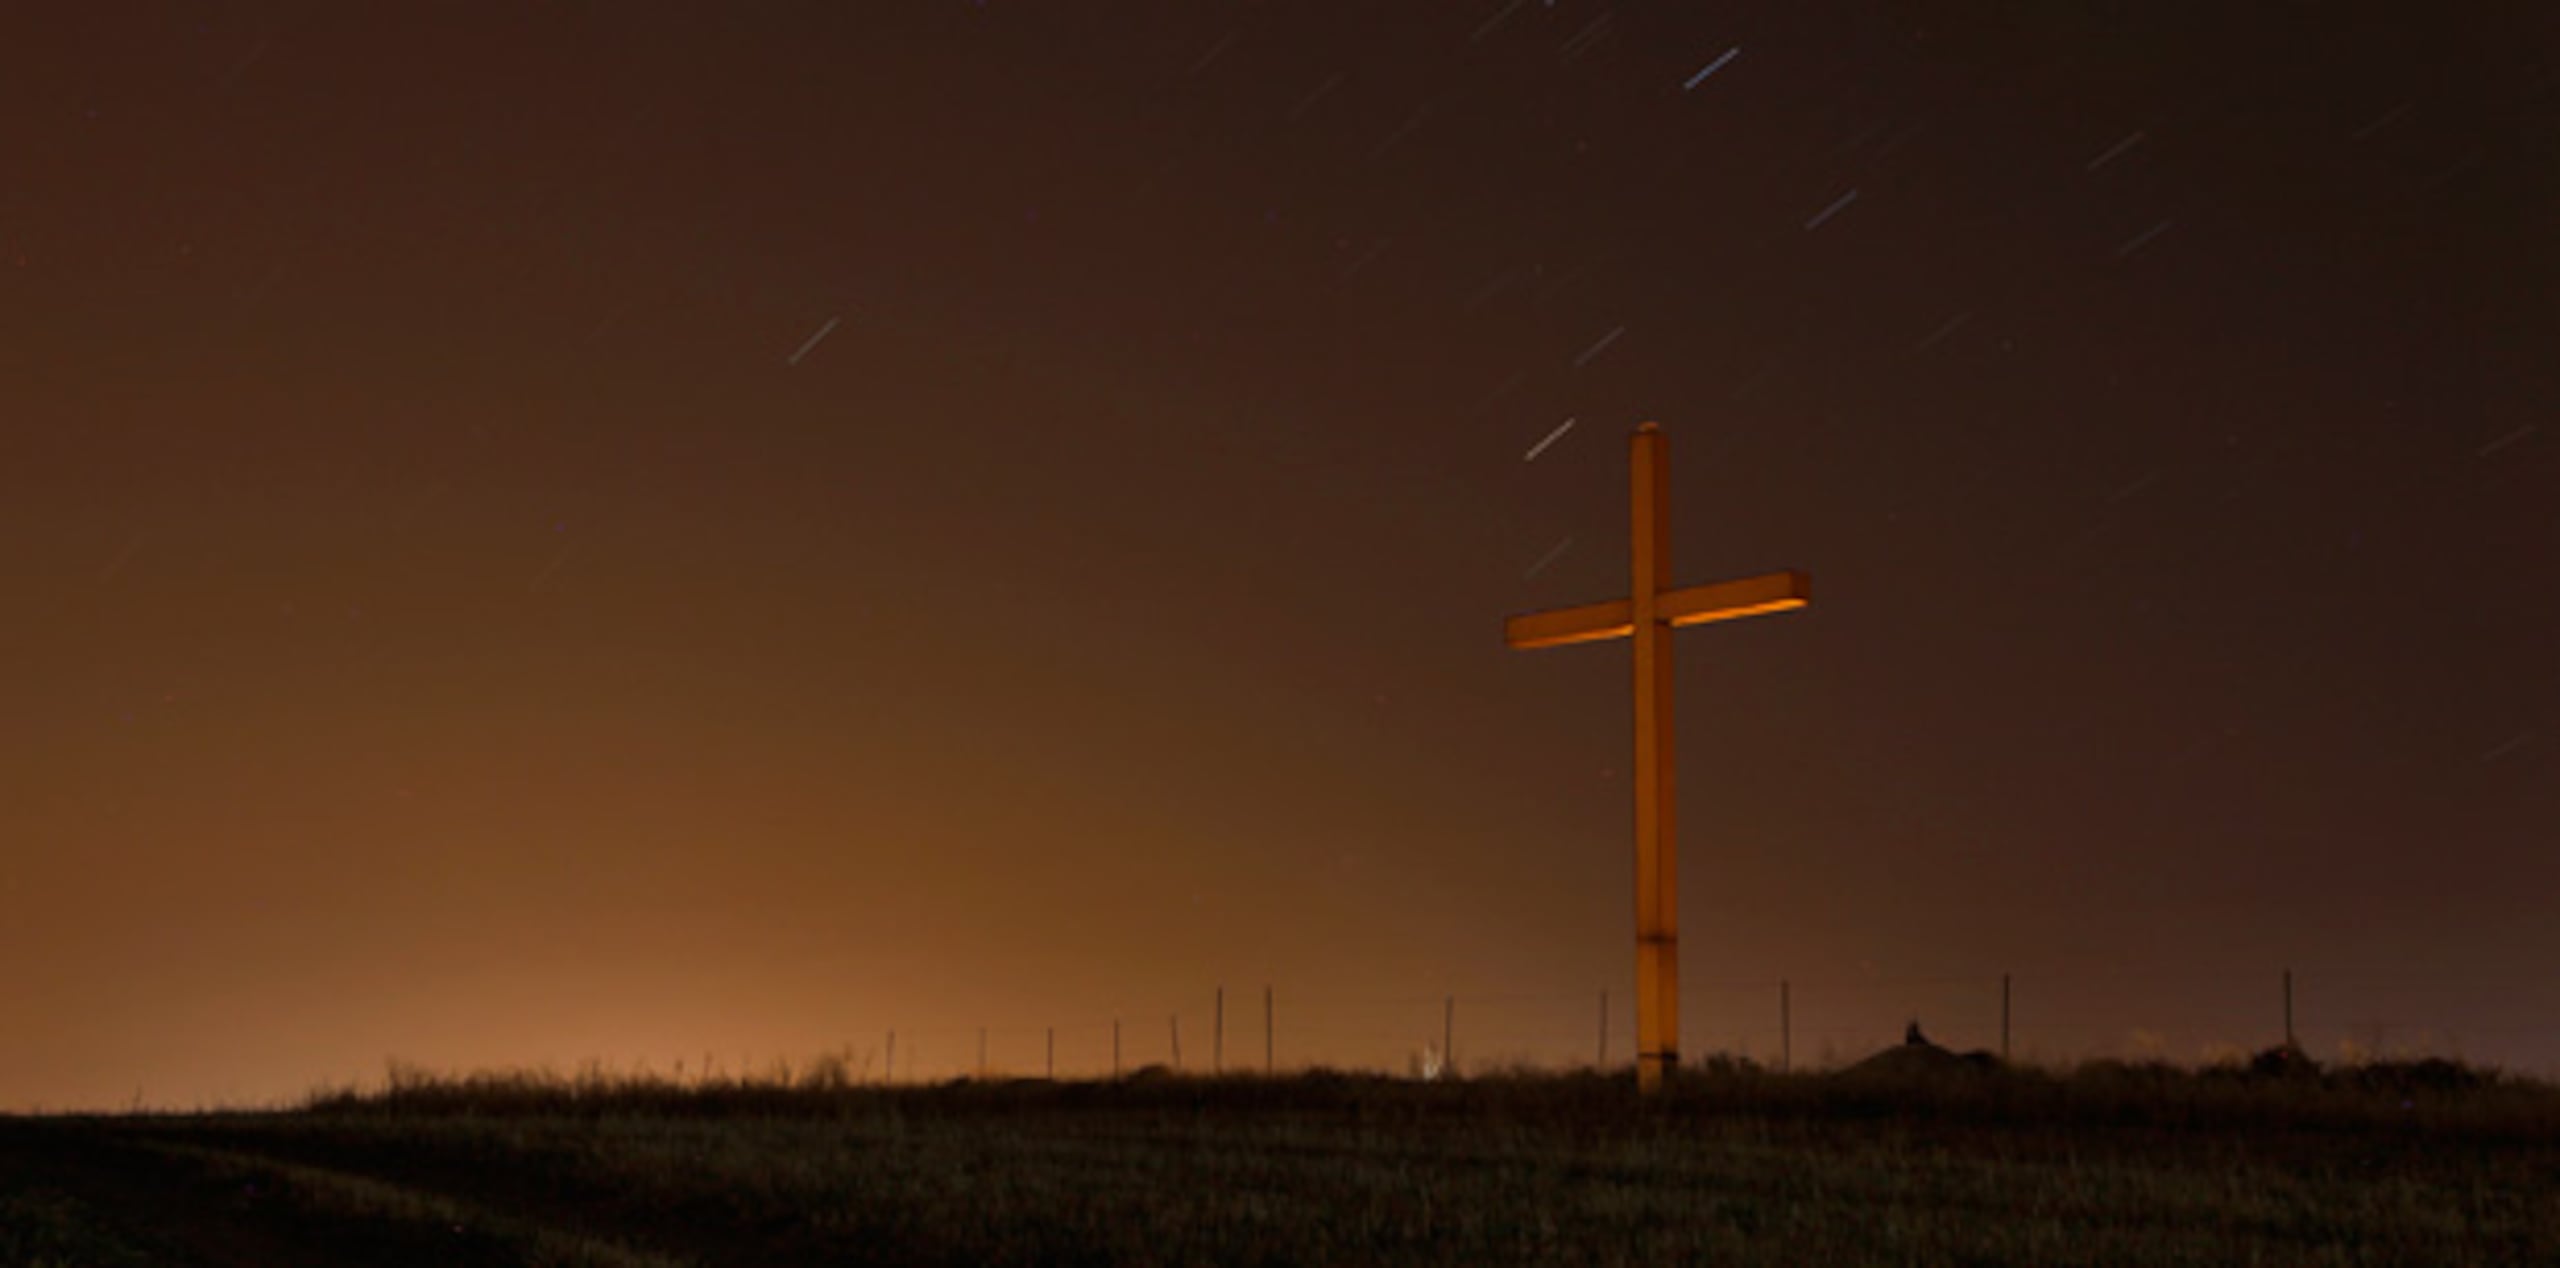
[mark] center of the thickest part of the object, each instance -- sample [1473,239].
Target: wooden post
[1268,1047]
[1449,1036]
[1786,1029]
[2004,1019]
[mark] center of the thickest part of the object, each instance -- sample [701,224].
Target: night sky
[540,533]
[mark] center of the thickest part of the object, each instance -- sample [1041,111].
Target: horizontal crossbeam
[1689,605]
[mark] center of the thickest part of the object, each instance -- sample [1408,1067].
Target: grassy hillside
[1903,1162]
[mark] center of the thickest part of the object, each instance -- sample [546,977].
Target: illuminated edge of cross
[1651,610]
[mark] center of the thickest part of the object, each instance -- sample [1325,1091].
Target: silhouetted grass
[1916,1161]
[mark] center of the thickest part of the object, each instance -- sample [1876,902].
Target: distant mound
[2284,1061]
[1917,1058]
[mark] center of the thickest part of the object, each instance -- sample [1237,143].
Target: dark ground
[1910,1162]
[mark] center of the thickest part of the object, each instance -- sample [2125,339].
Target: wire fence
[1777,1024]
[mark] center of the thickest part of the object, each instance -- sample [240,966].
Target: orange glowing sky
[456,613]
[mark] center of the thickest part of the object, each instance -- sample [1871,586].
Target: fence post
[1786,1029]
[1449,1035]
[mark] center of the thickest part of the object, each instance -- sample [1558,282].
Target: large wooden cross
[1650,612]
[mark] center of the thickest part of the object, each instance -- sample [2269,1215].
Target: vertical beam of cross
[1657,838]
[1651,610]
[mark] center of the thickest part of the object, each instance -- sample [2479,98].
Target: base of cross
[1652,1068]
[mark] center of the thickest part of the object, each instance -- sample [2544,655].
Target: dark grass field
[1928,1163]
